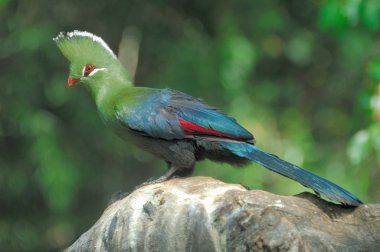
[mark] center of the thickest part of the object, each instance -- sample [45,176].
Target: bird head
[92,61]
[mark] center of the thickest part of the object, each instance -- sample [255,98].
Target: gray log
[204,214]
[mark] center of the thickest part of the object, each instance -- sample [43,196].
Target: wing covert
[170,114]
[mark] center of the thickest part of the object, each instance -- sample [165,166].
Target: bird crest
[82,46]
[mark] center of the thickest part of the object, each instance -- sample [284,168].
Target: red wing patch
[193,129]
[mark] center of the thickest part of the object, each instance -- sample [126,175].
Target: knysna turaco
[172,125]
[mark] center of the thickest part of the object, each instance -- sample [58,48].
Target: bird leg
[184,172]
[167,175]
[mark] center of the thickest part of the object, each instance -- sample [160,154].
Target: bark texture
[204,214]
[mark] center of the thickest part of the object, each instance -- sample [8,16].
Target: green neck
[107,84]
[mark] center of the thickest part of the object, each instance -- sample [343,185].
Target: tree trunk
[204,214]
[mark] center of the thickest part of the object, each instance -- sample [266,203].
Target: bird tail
[306,178]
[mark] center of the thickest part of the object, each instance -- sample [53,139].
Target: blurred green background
[303,76]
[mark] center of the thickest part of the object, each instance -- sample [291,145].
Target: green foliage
[339,15]
[333,15]
[302,76]
[374,70]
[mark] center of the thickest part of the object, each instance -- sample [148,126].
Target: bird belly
[180,153]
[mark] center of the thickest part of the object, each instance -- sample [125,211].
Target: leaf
[333,16]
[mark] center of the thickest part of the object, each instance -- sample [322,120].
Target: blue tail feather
[306,178]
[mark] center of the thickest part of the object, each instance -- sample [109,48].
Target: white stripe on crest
[94,38]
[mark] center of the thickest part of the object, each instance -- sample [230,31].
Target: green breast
[115,105]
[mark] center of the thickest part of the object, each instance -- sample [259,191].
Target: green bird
[172,125]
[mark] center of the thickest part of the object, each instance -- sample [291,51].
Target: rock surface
[204,214]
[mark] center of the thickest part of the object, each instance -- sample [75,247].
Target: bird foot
[151,181]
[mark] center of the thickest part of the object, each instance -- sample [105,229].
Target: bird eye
[88,69]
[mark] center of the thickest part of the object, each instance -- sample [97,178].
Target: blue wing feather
[151,118]
[157,116]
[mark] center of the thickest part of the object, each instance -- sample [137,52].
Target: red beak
[71,81]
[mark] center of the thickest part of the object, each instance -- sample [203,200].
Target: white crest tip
[84,34]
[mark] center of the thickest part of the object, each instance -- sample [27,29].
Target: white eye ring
[96,70]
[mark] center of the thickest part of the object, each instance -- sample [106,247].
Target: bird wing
[170,114]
